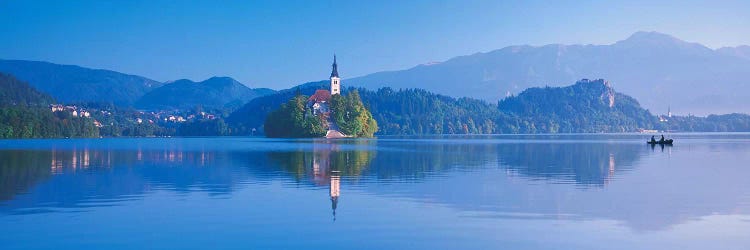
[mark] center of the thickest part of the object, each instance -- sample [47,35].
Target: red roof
[320,95]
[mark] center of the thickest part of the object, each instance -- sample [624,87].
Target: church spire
[335,71]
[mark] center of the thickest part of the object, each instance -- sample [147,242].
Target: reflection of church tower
[335,80]
[335,190]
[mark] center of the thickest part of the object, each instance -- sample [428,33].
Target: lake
[609,191]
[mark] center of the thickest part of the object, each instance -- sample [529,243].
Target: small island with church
[326,113]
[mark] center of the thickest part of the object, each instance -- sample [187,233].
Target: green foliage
[216,127]
[24,114]
[416,111]
[580,108]
[713,123]
[34,122]
[290,121]
[351,116]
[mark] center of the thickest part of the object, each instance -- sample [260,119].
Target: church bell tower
[335,80]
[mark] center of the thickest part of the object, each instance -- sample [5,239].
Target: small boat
[665,142]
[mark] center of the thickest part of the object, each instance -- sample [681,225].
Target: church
[319,102]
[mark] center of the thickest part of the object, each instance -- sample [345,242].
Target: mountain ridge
[214,93]
[73,83]
[658,69]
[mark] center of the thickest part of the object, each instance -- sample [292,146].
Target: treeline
[35,122]
[712,123]
[416,111]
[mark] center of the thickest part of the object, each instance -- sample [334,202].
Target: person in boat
[652,139]
[662,139]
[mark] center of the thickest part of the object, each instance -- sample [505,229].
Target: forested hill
[16,92]
[70,83]
[213,93]
[24,113]
[587,106]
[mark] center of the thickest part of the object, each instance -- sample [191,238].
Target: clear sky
[279,44]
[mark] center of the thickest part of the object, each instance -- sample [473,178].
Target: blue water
[441,192]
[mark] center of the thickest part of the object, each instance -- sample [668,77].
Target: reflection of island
[328,161]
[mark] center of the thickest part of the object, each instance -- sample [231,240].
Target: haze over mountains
[657,69]
[660,71]
[75,84]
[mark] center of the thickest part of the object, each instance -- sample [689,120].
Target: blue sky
[279,44]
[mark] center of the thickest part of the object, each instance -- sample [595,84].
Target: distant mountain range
[75,84]
[657,69]
[214,93]
[69,83]
[660,71]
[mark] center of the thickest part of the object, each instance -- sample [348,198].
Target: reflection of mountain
[504,177]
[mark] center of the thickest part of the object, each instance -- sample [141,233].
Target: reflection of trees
[584,163]
[410,159]
[80,175]
[326,163]
[325,157]
[21,170]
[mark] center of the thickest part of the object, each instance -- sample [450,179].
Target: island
[326,113]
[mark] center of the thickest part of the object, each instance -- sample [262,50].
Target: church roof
[320,95]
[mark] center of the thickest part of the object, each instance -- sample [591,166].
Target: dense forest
[585,107]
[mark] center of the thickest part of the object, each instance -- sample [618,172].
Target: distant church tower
[335,80]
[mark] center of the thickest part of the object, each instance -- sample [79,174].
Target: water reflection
[326,163]
[558,179]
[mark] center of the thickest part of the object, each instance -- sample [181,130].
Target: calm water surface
[512,192]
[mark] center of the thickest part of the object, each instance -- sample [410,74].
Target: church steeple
[335,71]
[335,80]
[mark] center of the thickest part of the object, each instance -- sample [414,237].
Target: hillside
[69,83]
[657,69]
[16,92]
[537,110]
[24,114]
[587,106]
[213,93]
